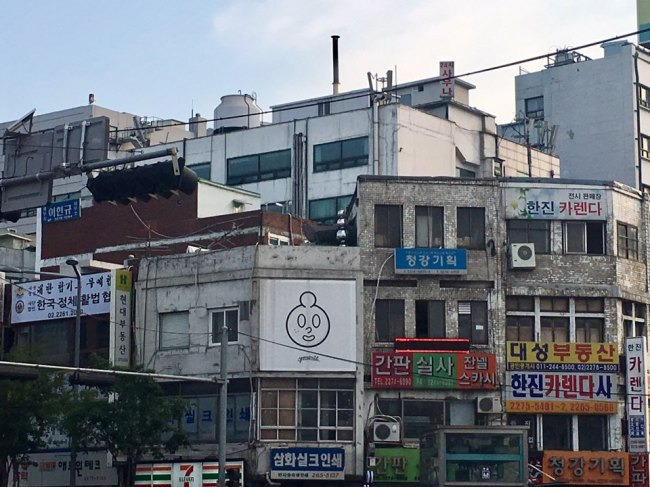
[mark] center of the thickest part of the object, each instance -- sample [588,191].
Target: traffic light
[142,182]
[233,477]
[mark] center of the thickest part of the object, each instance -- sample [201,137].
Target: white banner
[308,325]
[53,469]
[636,351]
[55,299]
[556,204]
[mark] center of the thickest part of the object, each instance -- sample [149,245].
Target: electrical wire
[365,94]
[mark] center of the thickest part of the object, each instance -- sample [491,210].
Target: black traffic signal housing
[233,477]
[142,182]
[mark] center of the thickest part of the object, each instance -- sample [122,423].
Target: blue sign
[430,261]
[61,211]
[308,463]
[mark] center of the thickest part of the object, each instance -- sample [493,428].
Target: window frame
[526,223]
[393,328]
[645,146]
[585,237]
[296,391]
[627,246]
[393,403]
[536,113]
[476,335]
[341,162]
[215,335]
[259,174]
[435,325]
[383,226]
[161,332]
[644,96]
[435,226]
[338,204]
[471,220]
[200,167]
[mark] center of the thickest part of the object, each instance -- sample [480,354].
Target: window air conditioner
[488,405]
[521,256]
[386,432]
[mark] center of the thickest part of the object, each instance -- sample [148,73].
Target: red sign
[639,470]
[433,370]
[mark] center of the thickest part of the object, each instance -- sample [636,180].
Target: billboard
[433,370]
[430,261]
[586,468]
[562,357]
[636,384]
[183,474]
[308,325]
[52,469]
[120,319]
[307,463]
[556,204]
[56,298]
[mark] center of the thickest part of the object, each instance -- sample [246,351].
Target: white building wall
[593,103]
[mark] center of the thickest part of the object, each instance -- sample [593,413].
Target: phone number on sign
[561,407]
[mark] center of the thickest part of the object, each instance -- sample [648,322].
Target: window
[644,96]
[323,108]
[472,321]
[389,319]
[520,327]
[66,196]
[259,167]
[465,173]
[341,154]
[470,229]
[202,170]
[417,415]
[584,238]
[174,330]
[537,232]
[278,240]
[307,410]
[325,210]
[199,420]
[429,224]
[535,107]
[645,146]
[589,330]
[557,431]
[628,241]
[388,226]
[429,319]
[554,329]
[228,317]
[592,432]
[634,318]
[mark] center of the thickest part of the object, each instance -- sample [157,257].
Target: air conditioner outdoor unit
[488,405]
[386,432]
[521,256]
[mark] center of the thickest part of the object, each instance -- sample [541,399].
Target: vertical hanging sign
[447,81]
[120,319]
[636,351]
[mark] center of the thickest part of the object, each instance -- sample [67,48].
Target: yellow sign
[586,467]
[560,407]
[123,280]
[562,357]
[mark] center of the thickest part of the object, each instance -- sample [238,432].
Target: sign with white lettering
[308,463]
[636,363]
[556,203]
[61,211]
[430,261]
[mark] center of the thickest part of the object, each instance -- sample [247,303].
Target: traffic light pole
[86,168]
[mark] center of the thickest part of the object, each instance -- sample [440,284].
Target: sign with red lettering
[556,203]
[431,370]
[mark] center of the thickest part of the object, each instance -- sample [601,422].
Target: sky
[165,58]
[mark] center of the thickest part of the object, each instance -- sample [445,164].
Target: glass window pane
[595,238]
[575,237]
[269,417]
[308,399]
[592,432]
[240,167]
[174,330]
[388,226]
[269,399]
[557,432]
[307,434]
[327,152]
[308,417]
[345,399]
[202,170]
[328,399]
[275,161]
[287,399]
[287,435]
[327,417]
[344,435]
[287,417]
[345,418]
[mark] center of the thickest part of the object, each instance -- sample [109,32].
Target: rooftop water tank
[237,112]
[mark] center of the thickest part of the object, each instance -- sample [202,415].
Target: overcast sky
[161,58]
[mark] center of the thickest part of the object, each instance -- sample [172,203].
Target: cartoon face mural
[308,324]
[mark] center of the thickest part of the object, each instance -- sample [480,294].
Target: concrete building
[442,260]
[592,113]
[295,391]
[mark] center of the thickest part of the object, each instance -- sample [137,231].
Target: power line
[365,94]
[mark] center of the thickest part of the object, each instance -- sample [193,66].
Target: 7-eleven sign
[188,474]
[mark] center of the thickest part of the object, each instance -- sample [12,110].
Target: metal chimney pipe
[335,60]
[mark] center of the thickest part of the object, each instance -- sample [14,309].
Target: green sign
[399,465]
[434,371]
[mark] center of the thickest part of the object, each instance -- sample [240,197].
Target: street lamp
[77,338]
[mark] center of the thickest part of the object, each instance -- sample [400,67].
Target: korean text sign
[639,470]
[557,392]
[636,352]
[562,357]
[433,370]
[447,81]
[56,298]
[556,203]
[397,465]
[308,463]
[61,211]
[430,261]
[586,467]
[120,317]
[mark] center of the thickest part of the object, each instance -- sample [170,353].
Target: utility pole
[223,404]
[77,353]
